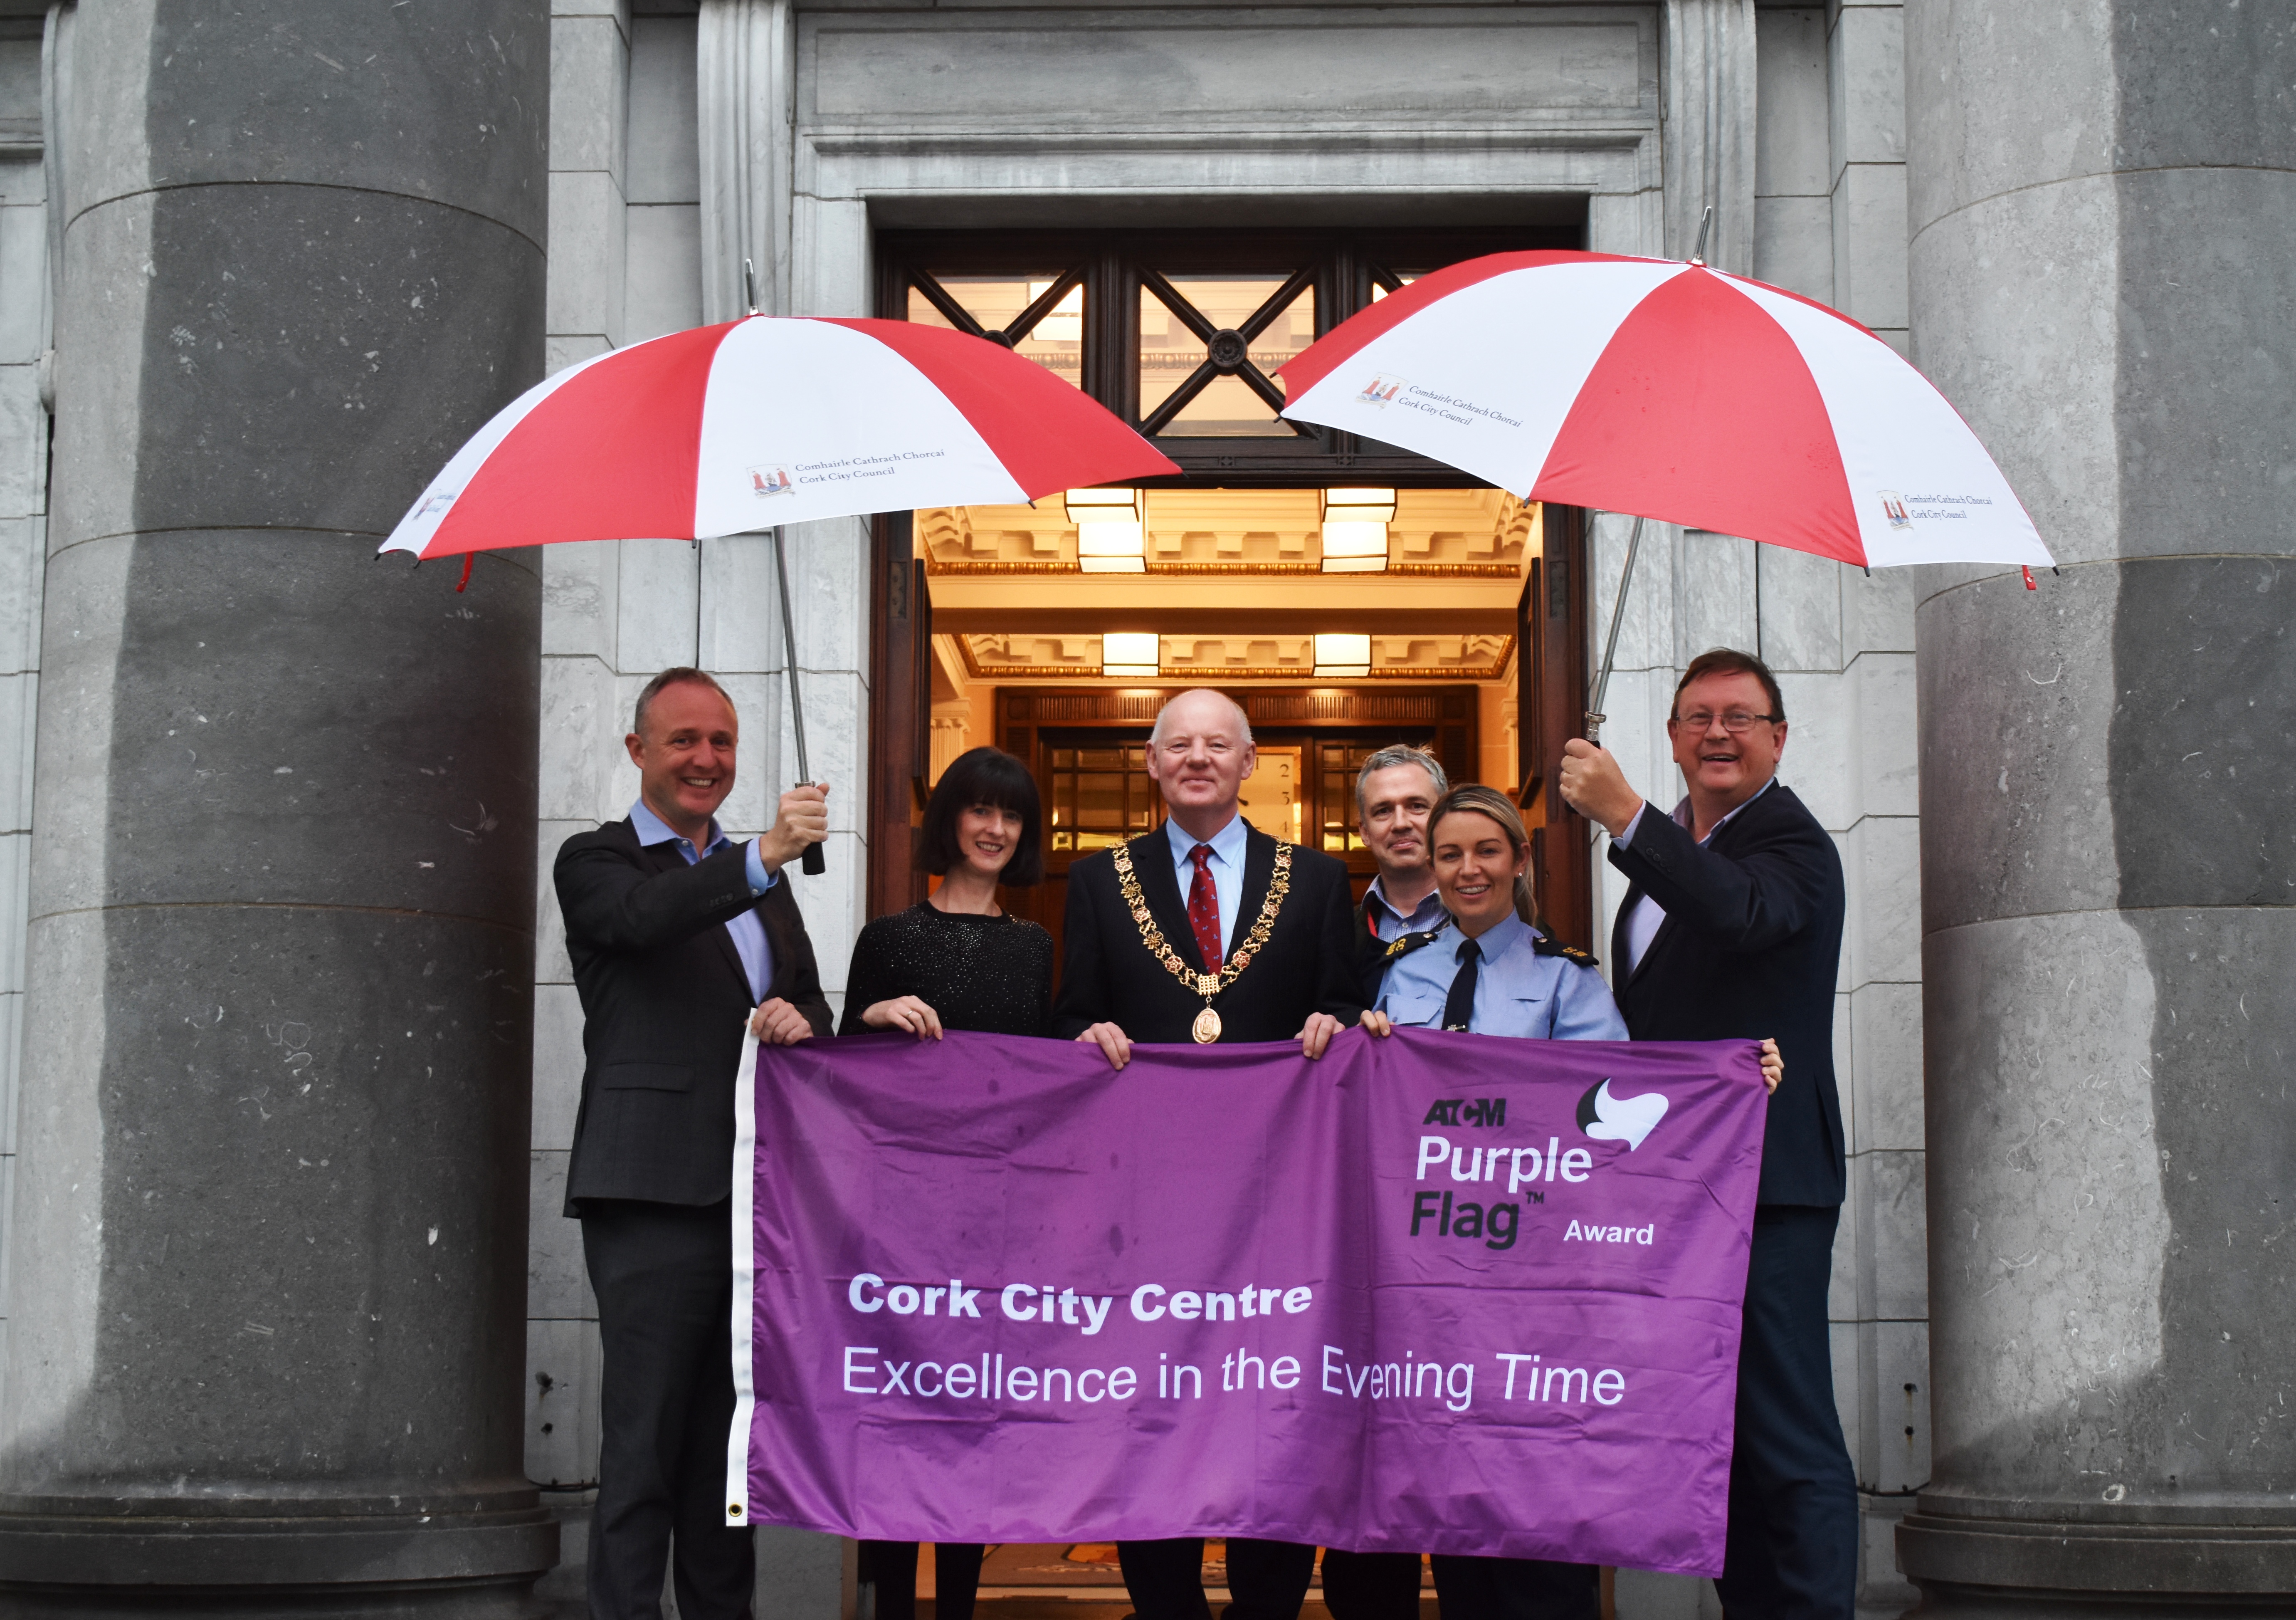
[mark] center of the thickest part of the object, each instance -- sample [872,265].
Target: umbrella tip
[749,284]
[1705,223]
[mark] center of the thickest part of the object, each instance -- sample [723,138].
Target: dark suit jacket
[664,1003]
[1371,951]
[1108,976]
[1750,946]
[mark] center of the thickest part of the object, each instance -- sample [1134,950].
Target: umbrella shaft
[1594,716]
[789,643]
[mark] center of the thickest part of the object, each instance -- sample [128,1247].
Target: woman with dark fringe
[957,961]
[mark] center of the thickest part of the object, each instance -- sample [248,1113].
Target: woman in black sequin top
[956,962]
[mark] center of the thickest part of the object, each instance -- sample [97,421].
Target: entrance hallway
[1079,1580]
[1343,619]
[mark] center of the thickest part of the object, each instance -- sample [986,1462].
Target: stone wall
[24,339]
[625,267]
[1829,222]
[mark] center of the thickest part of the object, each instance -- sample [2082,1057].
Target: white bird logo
[1606,1118]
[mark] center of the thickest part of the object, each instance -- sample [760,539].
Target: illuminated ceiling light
[1134,654]
[1342,657]
[1112,547]
[1110,537]
[1354,548]
[1102,506]
[1359,505]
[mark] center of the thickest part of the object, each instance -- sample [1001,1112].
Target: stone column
[269,1241]
[2104,279]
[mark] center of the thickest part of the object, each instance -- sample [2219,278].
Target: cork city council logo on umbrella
[769,480]
[1381,389]
[1893,508]
[1605,1118]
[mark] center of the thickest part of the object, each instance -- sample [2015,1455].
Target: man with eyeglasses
[1733,928]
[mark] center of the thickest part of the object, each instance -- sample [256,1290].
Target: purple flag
[1434,1293]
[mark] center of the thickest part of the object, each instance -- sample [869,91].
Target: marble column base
[1987,1560]
[474,1560]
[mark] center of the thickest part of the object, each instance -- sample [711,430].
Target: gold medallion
[1206,1028]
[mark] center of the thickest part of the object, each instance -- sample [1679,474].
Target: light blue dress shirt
[1227,867]
[748,933]
[1518,991]
[1642,926]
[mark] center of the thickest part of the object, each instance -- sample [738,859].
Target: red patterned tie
[1203,908]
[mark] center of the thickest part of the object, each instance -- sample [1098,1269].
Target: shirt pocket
[1532,1016]
[1415,1009]
[646,1077]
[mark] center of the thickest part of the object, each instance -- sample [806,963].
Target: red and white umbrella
[1672,392]
[763,421]
[766,420]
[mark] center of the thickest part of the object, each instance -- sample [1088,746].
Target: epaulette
[1404,944]
[1545,946]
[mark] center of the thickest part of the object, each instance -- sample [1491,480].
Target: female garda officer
[1490,971]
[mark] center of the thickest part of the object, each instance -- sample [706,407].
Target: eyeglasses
[1737,722]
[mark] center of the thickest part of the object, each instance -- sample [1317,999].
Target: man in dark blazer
[1299,985]
[679,937]
[1733,928]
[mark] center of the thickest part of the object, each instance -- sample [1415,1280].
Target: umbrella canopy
[763,421]
[1672,392]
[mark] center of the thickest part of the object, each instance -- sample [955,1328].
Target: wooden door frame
[1550,710]
[900,713]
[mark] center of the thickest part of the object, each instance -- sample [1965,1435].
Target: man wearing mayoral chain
[1208,930]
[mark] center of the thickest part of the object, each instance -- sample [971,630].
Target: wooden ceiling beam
[1365,618]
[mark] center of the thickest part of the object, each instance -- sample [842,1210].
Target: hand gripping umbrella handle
[813,863]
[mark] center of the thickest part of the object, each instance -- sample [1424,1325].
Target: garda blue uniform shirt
[1225,866]
[1517,991]
[748,933]
[1386,923]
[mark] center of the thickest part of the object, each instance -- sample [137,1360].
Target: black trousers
[1265,1579]
[1371,1585]
[1793,1547]
[664,1277]
[1385,1586]
[891,1566]
[1516,1589]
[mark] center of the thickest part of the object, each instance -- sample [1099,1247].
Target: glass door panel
[1056,342]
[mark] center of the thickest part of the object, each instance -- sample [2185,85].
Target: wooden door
[900,713]
[1550,708]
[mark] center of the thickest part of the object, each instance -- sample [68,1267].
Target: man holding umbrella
[1733,928]
[677,934]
